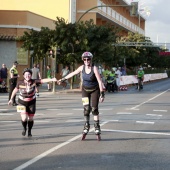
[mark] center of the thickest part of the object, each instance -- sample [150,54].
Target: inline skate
[85,130]
[97,131]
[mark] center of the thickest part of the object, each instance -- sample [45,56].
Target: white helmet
[87,55]
[140,68]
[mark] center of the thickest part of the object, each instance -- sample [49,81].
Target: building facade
[14,22]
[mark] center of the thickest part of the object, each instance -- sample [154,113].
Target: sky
[157,25]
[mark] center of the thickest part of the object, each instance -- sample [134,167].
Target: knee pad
[95,111]
[86,110]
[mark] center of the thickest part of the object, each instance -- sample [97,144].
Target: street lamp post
[54,72]
[72,47]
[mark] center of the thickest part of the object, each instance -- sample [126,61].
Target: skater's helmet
[87,55]
[27,70]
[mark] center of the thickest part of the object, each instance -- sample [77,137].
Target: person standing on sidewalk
[4,73]
[92,90]
[35,76]
[4,76]
[64,72]
[13,81]
[49,76]
[27,99]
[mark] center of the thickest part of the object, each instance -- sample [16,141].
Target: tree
[39,42]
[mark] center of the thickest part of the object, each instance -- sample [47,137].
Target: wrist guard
[102,94]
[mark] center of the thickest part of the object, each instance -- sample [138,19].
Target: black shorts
[30,106]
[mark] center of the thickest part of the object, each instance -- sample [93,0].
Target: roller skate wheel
[98,137]
[83,136]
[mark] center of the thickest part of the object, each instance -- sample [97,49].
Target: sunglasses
[86,59]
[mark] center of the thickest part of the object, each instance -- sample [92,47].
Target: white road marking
[149,99]
[30,162]
[62,114]
[78,109]
[145,122]
[4,109]
[131,109]
[153,115]
[39,114]
[100,109]
[4,103]
[124,113]
[41,121]
[75,120]
[160,110]
[53,109]
[6,114]
[137,132]
[7,121]
[106,109]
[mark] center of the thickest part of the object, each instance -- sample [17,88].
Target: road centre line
[160,110]
[30,162]
[137,132]
[149,99]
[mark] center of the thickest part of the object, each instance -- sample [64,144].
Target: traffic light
[134,9]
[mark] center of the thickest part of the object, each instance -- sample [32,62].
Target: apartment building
[15,19]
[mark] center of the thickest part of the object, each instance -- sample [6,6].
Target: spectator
[4,73]
[49,76]
[13,82]
[65,71]
[118,75]
[36,76]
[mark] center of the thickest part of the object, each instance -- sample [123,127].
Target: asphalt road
[135,132]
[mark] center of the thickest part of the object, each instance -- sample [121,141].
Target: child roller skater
[92,92]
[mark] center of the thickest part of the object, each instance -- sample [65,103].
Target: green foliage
[74,38]
[38,41]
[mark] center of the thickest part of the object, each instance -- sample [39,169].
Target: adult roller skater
[92,92]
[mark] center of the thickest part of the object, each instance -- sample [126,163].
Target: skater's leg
[87,119]
[95,111]
[24,117]
[30,125]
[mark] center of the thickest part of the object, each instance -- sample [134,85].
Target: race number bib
[85,100]
[21,109]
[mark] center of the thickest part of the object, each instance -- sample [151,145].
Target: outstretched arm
[77,71]
[48,80]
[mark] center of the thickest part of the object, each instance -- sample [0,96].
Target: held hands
[60,81]
[54,79]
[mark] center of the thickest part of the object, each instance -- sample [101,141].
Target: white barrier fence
[132,79]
